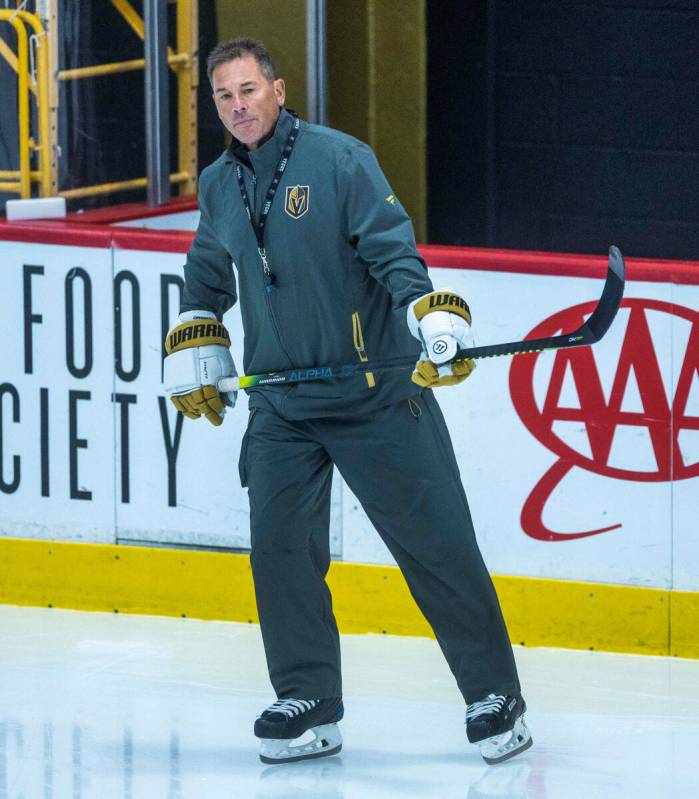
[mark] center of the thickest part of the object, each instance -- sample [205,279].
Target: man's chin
[244,131]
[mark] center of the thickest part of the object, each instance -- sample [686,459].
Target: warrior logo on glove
[441,301]
[196,334]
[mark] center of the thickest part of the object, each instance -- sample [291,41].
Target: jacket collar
[267,155]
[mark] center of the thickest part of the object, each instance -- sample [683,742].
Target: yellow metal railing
[34,78]
[123,185]
[116,67]
[20,181]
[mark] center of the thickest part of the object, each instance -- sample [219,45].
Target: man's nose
[238,103]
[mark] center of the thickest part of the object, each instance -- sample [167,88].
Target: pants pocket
[243,458]
[414,407]
[441,436]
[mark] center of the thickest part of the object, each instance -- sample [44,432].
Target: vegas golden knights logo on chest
[296,203]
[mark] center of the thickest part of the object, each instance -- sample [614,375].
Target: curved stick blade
[603,315]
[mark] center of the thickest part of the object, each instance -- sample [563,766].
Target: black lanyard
[259,226]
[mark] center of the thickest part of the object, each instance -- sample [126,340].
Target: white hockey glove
[197,358]
[441,321]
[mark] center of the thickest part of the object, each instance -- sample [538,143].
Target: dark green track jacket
[344,260]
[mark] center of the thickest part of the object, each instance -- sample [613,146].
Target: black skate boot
[288,719]
[496,724]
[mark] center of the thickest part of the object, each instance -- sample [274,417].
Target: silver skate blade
[503,747]
[326,741]
[296,758]
[491,761]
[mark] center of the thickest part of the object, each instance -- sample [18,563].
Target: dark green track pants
[401,466]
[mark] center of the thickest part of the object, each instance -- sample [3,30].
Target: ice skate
[299,729]
[497,725]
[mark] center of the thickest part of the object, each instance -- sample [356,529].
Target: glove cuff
[197,333]
[188,316]
[442,300]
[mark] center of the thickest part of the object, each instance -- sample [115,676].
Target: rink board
[565,443]
[366,598]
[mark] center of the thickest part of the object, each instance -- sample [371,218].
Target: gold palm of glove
[427,376]
[204,401]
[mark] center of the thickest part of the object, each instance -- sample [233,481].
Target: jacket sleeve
[379,228]
[209,281]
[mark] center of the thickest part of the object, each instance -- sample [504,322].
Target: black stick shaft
[588,333]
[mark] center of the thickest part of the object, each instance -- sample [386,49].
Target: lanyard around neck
[259,226]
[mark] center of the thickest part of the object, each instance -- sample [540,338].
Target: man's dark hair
[237,48]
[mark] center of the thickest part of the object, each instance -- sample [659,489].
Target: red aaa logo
[664,421]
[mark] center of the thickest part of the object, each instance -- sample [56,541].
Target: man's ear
[280,91]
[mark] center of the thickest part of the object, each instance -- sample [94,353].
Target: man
[328,272]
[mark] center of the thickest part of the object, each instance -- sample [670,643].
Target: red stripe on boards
[70,233]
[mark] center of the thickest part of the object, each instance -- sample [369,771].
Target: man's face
[247,102]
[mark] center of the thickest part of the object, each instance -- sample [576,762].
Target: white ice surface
[99,705]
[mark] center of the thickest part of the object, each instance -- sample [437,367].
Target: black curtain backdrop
[9,145]
[565,126]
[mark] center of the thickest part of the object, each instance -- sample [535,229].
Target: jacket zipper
[270,310]
[358,337]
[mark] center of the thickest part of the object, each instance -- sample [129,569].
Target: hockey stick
[589,332]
